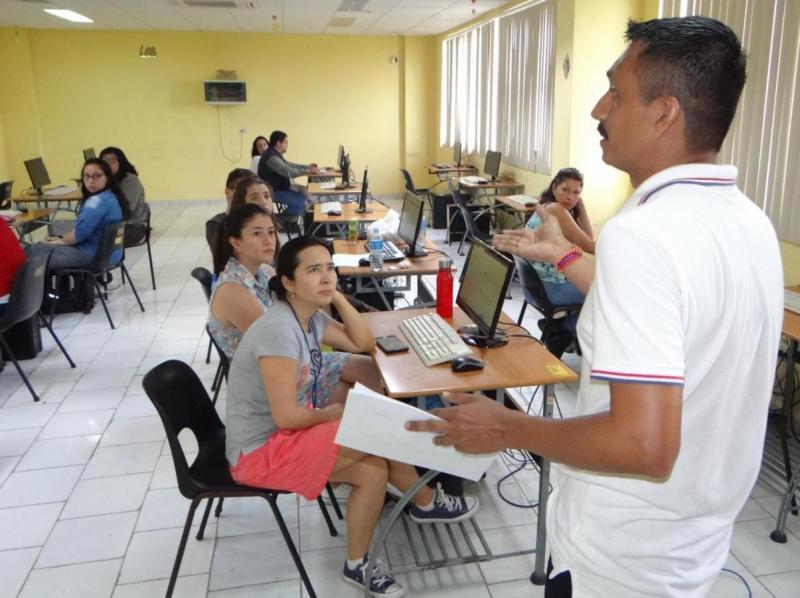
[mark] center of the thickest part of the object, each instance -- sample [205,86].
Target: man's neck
[654,167]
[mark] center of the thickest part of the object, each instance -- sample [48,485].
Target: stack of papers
[375,424]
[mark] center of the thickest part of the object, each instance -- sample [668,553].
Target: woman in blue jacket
[103,203]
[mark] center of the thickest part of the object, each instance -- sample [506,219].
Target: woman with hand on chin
[285,401]
[103,203]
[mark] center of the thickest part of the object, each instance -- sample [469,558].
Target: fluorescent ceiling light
[69,15]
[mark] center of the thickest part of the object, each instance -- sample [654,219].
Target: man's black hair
[697,60]
[276,137]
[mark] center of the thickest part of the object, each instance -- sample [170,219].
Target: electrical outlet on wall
[243,129]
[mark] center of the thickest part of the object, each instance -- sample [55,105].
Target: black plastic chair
[470,217]
[290,224]
[5,194]
[205,278]
[112,241]
[25,301]
[182,402]
[222,369]
[424,191]
[130,240]
[535,295]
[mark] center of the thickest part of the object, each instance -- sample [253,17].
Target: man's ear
[668,112]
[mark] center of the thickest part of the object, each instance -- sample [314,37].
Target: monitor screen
[37,172]
[457,152]
[362,201]
[491,166]
[341,155]
[410,218]
[88,154]
[344,166]
[483,287]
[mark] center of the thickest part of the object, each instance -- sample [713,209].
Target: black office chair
[5,195]
[25,301]
[137,235]
[111,243]
[222,369]
[554,340]
[470,215]
[205,278]
[423,191]
[182,402]
[290,224]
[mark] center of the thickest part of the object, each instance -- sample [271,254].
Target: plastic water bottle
[423,229]
[375,249]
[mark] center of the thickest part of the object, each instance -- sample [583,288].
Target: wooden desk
[367,281]
[513,203]
[443,172]
[316,189]
[27,200]
[29,221]
[522,362]
[339,222]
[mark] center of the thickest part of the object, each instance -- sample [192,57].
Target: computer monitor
[457,153]
[491,166]
[487,274]
[410,222]
[88,154]
[362,201]
[38,174]
[341,155]
[5,195]
[345,168]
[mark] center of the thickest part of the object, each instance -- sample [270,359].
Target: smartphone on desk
[391,344]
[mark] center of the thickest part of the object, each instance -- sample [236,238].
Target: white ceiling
[371,17]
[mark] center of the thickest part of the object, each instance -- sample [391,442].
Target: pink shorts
[300,461]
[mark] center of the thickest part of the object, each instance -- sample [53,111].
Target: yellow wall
[419,132]
[78,89]
[791,263]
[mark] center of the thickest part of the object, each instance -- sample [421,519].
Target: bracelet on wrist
[568,258]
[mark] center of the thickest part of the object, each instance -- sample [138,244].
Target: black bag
[75,293]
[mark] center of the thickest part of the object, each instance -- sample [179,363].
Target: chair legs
[150,259]
[522,312]
[133,287]
[334,502]
[22,375]
[102,300]
[290,545]
[208,355]
[182,546]
[55,338]
[223,375]
[331,528]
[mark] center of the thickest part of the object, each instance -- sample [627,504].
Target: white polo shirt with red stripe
[687,291]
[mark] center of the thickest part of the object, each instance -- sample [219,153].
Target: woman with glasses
[127,178]
[103,203]
[562,199]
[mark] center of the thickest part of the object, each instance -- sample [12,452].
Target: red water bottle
[444,289]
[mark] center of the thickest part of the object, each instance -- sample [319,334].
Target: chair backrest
[205,278]
[531,281]
[182,403]
[27,292]
[469,220]
[145,225]
[5,194]
[409,182]
[112,247]
[226,364]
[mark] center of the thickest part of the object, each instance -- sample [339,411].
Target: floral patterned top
[545,271]
[228,337]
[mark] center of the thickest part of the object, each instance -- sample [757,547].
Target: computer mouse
[334,212]
[483,182]
[363,261]
[530,204]
[466,364]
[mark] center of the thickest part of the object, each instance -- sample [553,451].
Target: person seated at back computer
[212,224]
[285,400]
[103,203]
[562,199]
[279,172]
[260,145]
[127,178]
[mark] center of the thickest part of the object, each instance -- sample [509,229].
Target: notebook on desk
[791,300]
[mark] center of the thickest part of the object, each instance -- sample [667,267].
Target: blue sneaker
[381,583]
[446,508]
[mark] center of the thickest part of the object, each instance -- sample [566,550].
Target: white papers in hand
[375,424]
[348,259]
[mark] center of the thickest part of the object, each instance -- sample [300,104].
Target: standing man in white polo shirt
[679,332]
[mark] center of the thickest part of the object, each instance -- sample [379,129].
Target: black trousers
[559,586]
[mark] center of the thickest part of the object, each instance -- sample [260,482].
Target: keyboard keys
[433,339]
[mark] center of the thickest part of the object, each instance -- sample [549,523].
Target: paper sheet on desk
[375,424]
[348,259]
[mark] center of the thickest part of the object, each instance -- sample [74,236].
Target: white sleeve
[636,303]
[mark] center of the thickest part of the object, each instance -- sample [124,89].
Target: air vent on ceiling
[34,1]
[341,21]
[219,3]
[352,6]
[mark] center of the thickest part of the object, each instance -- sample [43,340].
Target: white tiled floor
[88,498]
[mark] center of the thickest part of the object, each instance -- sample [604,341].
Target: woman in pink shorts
[283,408]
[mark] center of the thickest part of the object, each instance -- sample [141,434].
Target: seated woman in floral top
[246,246]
